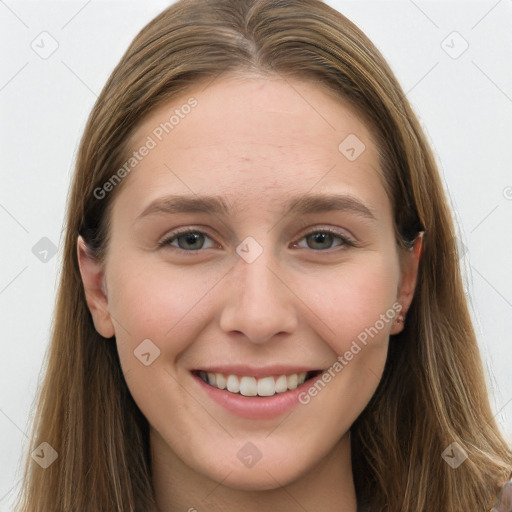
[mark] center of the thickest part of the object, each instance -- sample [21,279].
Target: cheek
[358,308]
[354,299]
[158,303]
[163,306]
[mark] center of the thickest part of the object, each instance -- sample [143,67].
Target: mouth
[250,386]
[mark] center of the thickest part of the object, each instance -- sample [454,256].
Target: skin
[256,141]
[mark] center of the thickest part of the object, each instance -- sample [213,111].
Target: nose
[259,302]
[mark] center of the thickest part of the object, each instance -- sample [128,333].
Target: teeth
[266,386]
[233,384]
[250,386]
[292,381]
[221,381]
[281,384]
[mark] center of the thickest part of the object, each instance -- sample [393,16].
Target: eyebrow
[302,204]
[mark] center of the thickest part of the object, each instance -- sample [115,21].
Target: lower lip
[256,407]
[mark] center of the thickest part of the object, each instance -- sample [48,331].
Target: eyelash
[346,242]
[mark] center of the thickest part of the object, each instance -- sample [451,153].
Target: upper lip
[255,371]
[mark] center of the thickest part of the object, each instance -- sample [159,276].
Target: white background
[464,104]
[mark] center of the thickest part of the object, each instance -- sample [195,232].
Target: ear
[408,277]
[93,279]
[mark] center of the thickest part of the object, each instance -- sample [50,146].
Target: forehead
[254,139]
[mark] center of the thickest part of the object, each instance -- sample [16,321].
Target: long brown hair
[432,393]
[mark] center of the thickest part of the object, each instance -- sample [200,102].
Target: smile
[252,386]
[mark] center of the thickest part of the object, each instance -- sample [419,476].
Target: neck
[326,487]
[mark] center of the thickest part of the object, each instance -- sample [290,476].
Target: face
[268,285]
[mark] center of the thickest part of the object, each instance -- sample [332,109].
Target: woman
[208,352]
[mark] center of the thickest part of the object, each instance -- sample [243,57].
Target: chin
[259,481]
[260,477]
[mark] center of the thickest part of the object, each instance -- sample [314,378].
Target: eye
[192,240]
[188,240]
[323,239]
